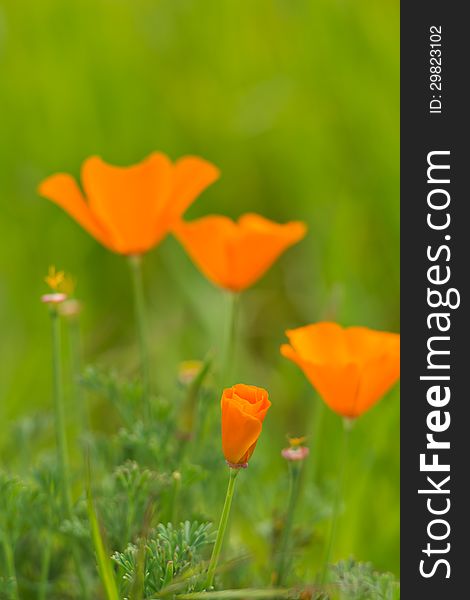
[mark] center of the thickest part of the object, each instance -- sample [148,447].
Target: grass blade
[105,567]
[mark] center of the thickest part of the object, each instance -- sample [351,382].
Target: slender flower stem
[222,527]
[347,425]
[295,469]
[62,453]
[45,565]
[318,417]
[10,564]
[230,338]
[188,418]
[141,321]
[76,366]
[130,515]
[175,497]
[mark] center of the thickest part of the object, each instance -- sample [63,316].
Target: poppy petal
[235,255]
[291,232]
[130,200]
[239,431]
[320,343]
[366,344]
[191,176]
[260,244]
[63,190]
[251,400]
[205,240]
[337,385]
[378,376]
[351,368]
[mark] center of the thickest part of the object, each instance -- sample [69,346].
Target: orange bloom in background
[130,209]
[234,255]
[351,368]
[243,410]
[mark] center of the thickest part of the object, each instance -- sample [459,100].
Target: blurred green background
[297,101]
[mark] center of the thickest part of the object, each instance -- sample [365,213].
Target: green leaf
[105,567]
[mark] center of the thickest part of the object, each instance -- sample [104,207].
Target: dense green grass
[297,103]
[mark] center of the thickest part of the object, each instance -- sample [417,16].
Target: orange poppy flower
[235,255]
[351,368]
[243,410]
[130,209]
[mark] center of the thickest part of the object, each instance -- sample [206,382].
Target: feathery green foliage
[170,552]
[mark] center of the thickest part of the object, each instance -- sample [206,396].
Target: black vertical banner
[435,256]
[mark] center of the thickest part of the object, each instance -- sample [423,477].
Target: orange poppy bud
[130,209]
[351,368]
[234,255]
[243,410]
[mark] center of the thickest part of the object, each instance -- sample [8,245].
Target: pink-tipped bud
[70,308]
[295,453]
[56,298]
[188,371]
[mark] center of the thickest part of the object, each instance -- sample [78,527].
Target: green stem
[175,497]
[77,559]
[283,560]
[45,565]
[76,366]
[130,518]
[62,453]
[137,590]
[310,469]
[141,321]
[230,338]
[339,490]
[10,564]
[222,527]
[318,417]
[61,436]
[189,413]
